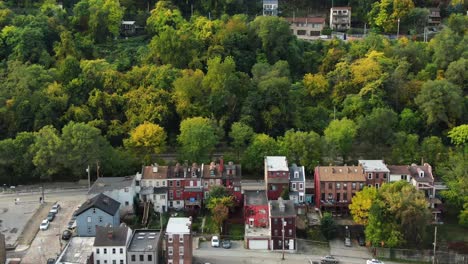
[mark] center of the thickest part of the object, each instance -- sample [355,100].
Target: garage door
[258,244]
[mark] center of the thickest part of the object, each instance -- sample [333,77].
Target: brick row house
[283,224]
[297,184]
[153,186]
[276,176]
[179,241]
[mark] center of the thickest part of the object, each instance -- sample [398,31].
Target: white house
[297,184]
[340,17]
[399,173]
[110,244]
[153,186]
[121,189]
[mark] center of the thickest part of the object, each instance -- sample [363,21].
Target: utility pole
[398,29]
[97,169]
[43,198]
[435,245]
[89,177]
[283,224]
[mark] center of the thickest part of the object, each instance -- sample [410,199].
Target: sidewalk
[32,226]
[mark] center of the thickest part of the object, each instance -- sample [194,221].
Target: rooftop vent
[151,237]
[140,237]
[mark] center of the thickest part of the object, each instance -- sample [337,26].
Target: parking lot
[48,243]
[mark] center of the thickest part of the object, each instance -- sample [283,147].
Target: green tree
[262,145]
[285,194]
[378,127]
[405,148]
[189,96]
[302,148]
[47,149]
[410,121]
[361,204]
[441,102]
[340,135]
[459,135]
[197,138]
[457,72]
[433,150]
[328,226]
[147,139]
[398,216]
[241,135]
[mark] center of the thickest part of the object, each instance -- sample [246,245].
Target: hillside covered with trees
[74,92]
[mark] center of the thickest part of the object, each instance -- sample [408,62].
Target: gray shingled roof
[101,201]
[255,198]
[105,184]
[289,209]
[119,236]
[293,169]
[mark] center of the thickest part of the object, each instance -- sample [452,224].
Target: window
[178,202]
[113,251]
[369,185]
[273,187]
[100,219]
[105,251]
[345,196]
[181,250]
[178,194]
[121,250]
[97,250]
[89,230]
[114,261]
[157,183]
[377,185]
[94,210]
[296,174]
[126,189]
[150,257]
[294,186]
[127,203]
[170,251]
[133,258]
[330,196]
[237,189]
[369,176]
[162,196]
[385,175]
[121,261]
[178,183]
[404,177]
[290,232]
[275,221]
[361,186]
[330,185]
[181,239]
[205,183]
[345,186]
[170,183]
[105,261]
[301,186]
[280,243]
[142,257]
[137,183]
[276,232]
[171,196]
[98,262]
[338,185]
[376,175]
[169,261]
[163,183]
[353,186]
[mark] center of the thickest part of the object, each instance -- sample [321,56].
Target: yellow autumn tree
[147,139]
[315,84]
[361,204]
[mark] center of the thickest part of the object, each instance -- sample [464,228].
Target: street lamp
[282,230]
[398,29]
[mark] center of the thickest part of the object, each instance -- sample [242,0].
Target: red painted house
[175,186]
[193,188]
[232,180]
[212,175]
[276,176]
[282,220]
[256,218]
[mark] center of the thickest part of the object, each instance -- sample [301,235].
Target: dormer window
[296,174]
[194,174]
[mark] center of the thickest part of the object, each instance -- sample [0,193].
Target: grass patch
[236,231]
[210,226]
[315,234]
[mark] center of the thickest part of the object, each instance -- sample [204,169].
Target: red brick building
[212,175]
[336,185]
[376,172]
[232,180]
[276,176]
[282,219]
[256,218]
[176,183]
[179,240]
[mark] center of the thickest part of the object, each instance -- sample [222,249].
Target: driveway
[48,243]
[337,248]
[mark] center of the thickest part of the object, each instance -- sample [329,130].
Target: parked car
[215,241]
[66,235]
[44,225]
[361,241]
[374,261]
[226,244]
[51,261]
[51,216]
[328,259]
[71,225]
[55,208]
[347,242]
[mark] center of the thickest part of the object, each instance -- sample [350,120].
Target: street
[237,254]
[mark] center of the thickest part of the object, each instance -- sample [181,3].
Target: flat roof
[252,185]
[105,184]
[77,251]
[178,225]
[374,166]
[276,163]
[144,240]
[255,198]
[289,209]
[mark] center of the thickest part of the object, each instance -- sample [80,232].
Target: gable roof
[105,184]
[398,169]
[117,239]
[154,172]
[340,173]
[101,201]
[294,168]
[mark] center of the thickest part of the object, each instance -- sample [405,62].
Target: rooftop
[255,198]
[144,240]
[374,166]
[398,169]
[212,170]
[341,8]
[426,169]
[292,173]
[252,185]
[257,231]
[101,201]
[289,210]
[154,172]
[77,251]
[340,173]
[105,184]
[108,236]
[276,163]
[178,225]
